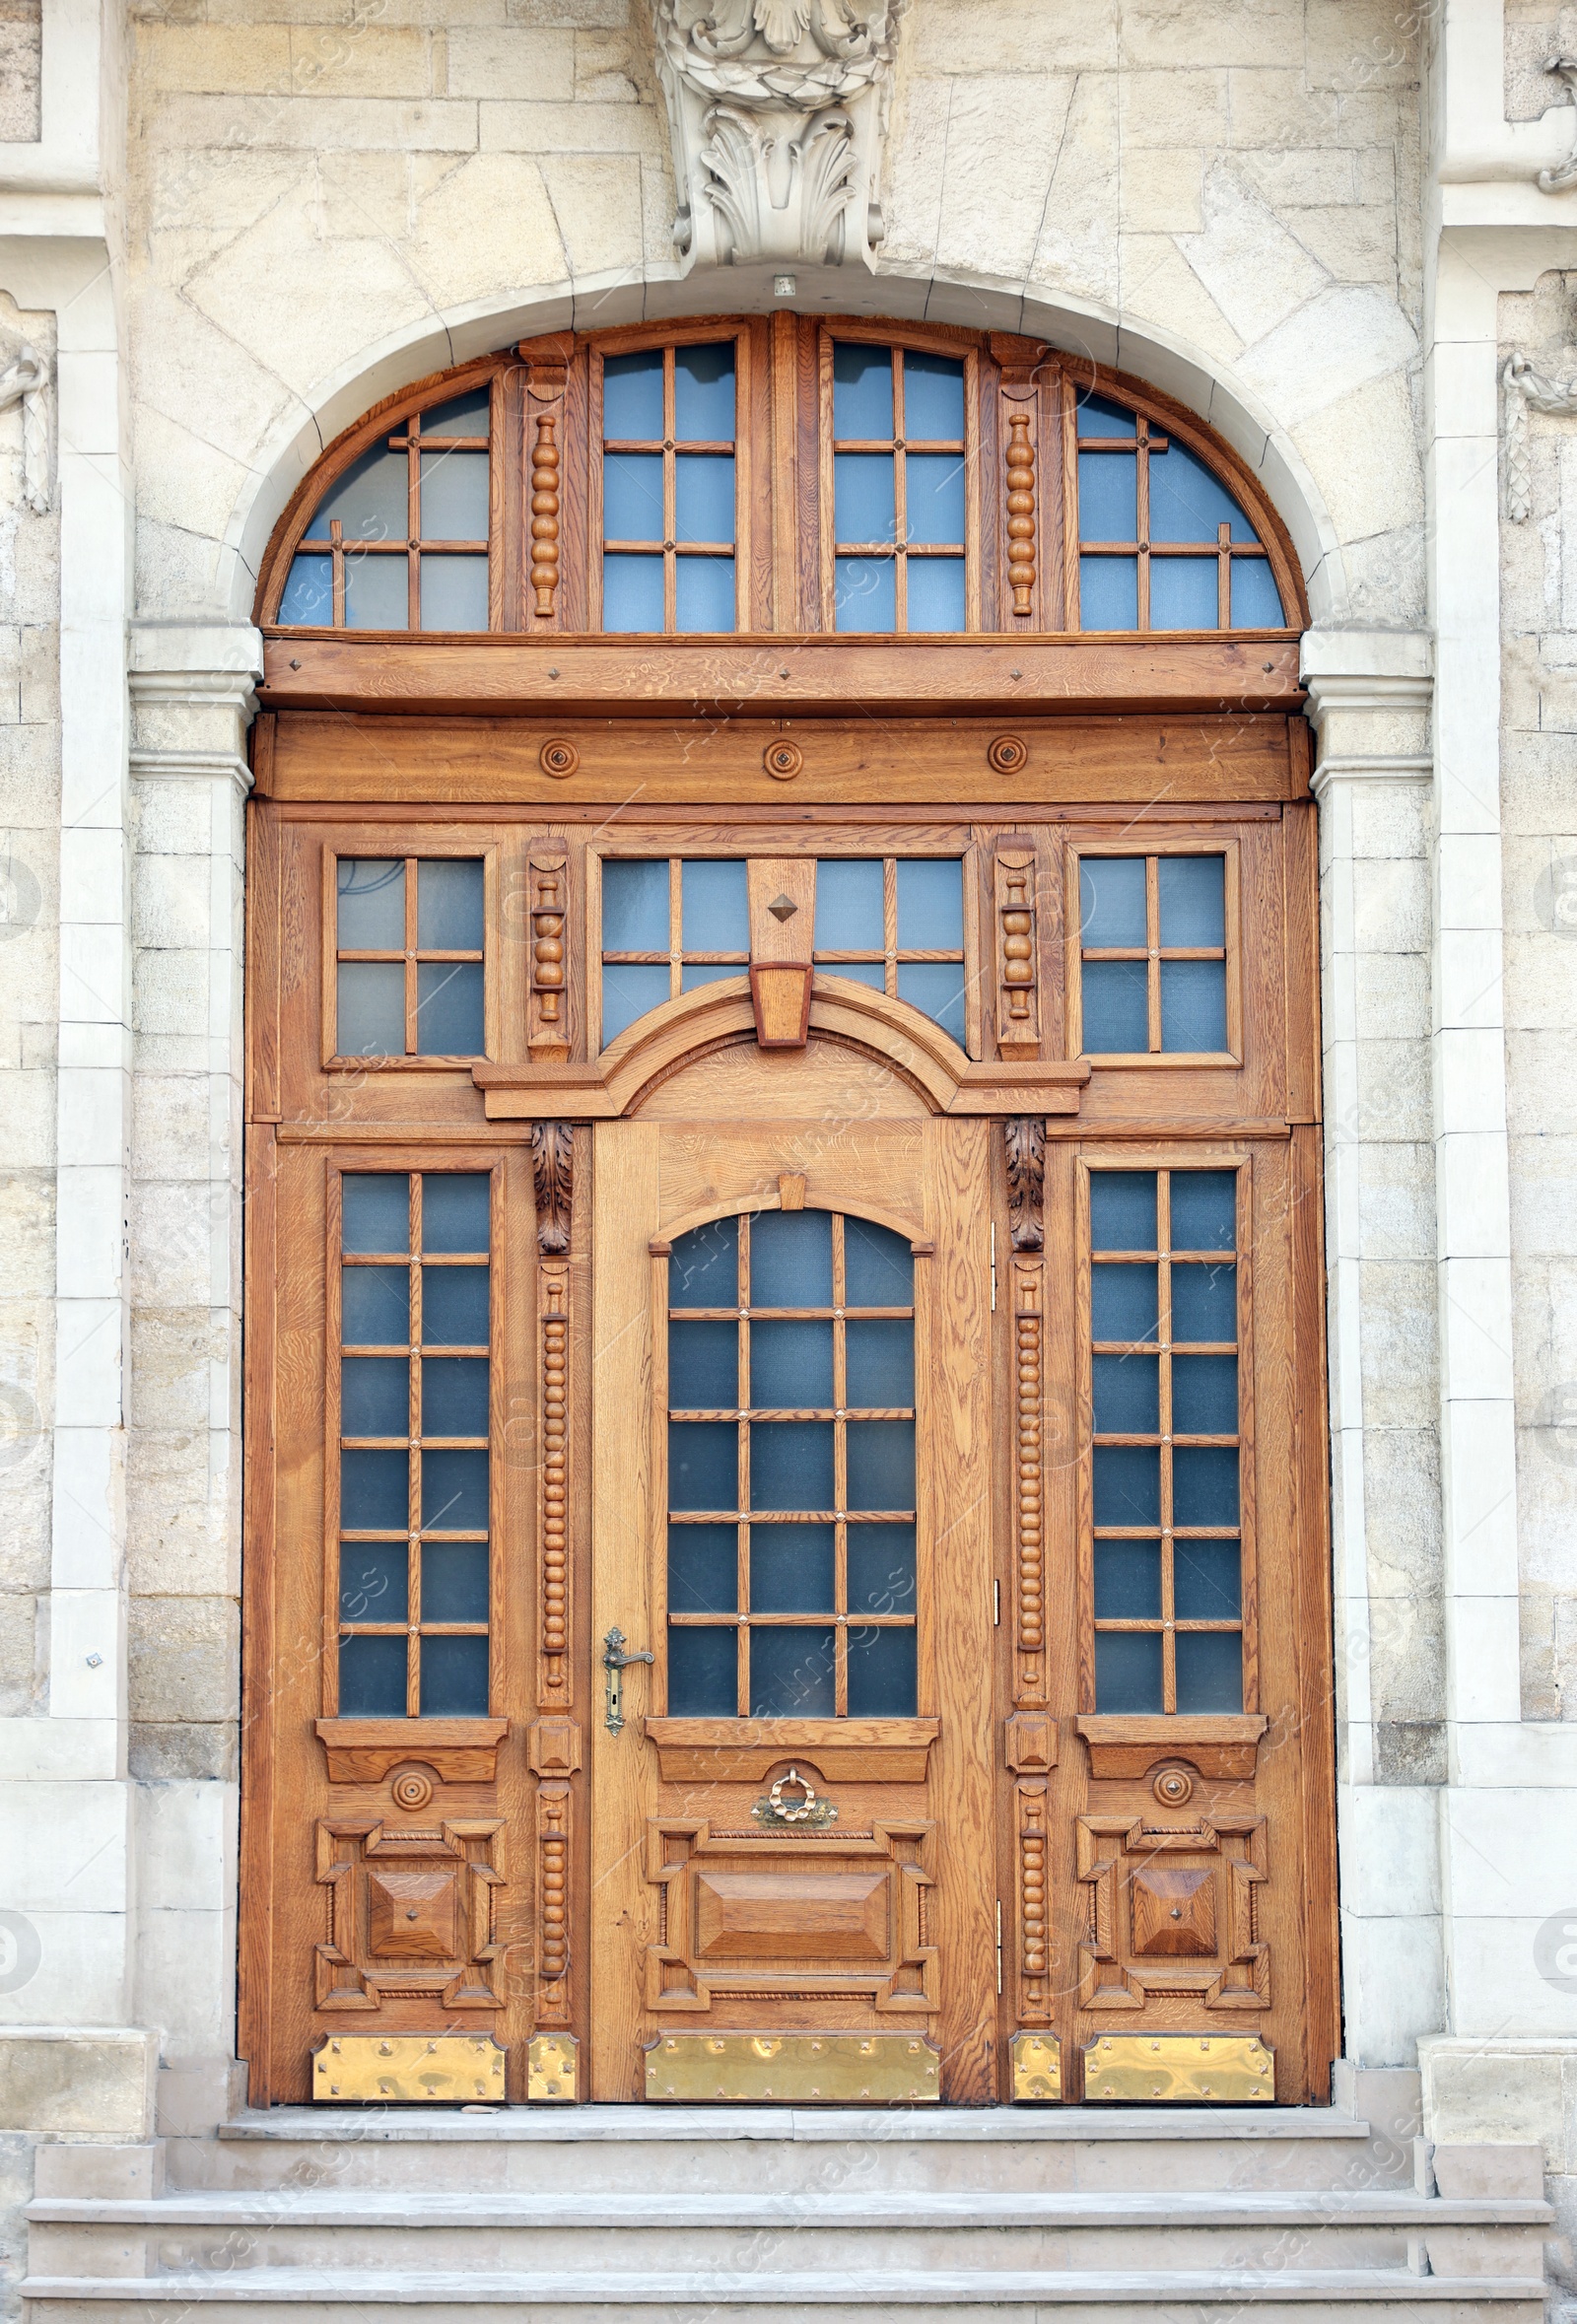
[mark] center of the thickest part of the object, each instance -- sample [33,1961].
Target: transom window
[1152,962]
[1166,1555]
[409,957]
[898,459]
[895,922]
[668,489]
[791,1509]
[400,543]
[1163,545]
[413,1298]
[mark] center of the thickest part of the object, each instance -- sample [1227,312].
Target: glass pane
[372,1677]
[881,1464]
[880,1364]
[703,393]
[448,1009]
[1256,600]
[861,391]
[370,1010]
[1123,1301]
[1187,504]
[454,1210]
[703,1464]
[373,1580]
[864,509]
[933,484]
[1184,593]
[790,1260]
[632,593]
[374,1306]
[704,1269]
[933,399]
[1097,417]
[374,1492]
[1128,1484]
[454,1395]
[703,593]
[632,398]
[790,1464]
[1204,1210]
[935,594]
[628,993]
[374,1397]
[377,592]
[1204,1301]
[1192,1006]
[1207,1584]
[466,415]
[715,908]
[1192,899]
[448,905]
[878,1266]
[1205,1485]
[790,1366]
[866,593]
[1127,1670]
[454,1492]
[1123,1210]
[704,501]
[703,1681]
[454,1306]
[632,497]
[371,500]
[1108,496]
[881,1674]
[703,1367]
[880,1567]
[307,601]
[695,973]
[1107,593]
[793,1672]
[1115,1007]
[1110,891]
[375,1212]
[703,1569]
[931,905]
[455,593]
[635,907]
[372,905]
[453,1677]
[455,1582]
[1205,1396]
[937,989]
[453,496]
[1210,1671]
[793,1569]
[1128,1580]
[861,971]
[1128,1394]
[848,906]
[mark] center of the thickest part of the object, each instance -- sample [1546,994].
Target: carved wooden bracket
[1217,1742]
[553,1167]
[782,937]
[1019,1015]
[1026,1180]
[366,1751]
[548,903]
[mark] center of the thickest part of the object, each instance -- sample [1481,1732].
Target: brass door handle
[614,1661]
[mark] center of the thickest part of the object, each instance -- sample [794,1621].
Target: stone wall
[21,70]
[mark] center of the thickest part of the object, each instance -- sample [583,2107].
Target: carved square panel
[413,1916]
[1172,1912]
[790,1914]
[1174,1908]
[410,1914]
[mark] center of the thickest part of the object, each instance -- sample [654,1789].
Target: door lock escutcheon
[614,1661]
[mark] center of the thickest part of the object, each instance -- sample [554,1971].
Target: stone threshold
[813,2125]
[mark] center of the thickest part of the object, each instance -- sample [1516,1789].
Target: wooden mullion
[1142,525]
[413,521]
[889,920]
[336,538]
[1223,576]
[675,926]
[898,454]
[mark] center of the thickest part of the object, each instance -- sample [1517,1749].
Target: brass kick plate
[409,2069]
[1036,2067]
[551,2064]
[804,2069]
[1219,2069]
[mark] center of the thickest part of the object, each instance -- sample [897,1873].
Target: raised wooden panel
[1164,1896]
[411,1915]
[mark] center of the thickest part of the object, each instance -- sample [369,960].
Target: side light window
[1153,955]
[410,957]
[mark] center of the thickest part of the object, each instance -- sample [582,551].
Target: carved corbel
[25,379]
[1522,389]
[1564,173]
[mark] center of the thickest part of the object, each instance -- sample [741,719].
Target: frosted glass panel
[848,906]
[453,1677]
[449,1009]
[1187,504]
[715,914]
[377,592]
[371,500]
[1255,600]
[866,593]
[793,1569]
[375,1212]
[1194,1004]
[1192,896]
[790,1259]
[1117,1009]
[703,593]
[466,415]
[704,393]
[1107,593]
[703,1367]
[1184,593]
[1108,496]
[702,1680]
[704,499]
[935,594]
[861,391]
[931,905]
[632,397]
[937,989]
[863,497]
[881,1674]
[371,1010]
[454,1210]
[933,399]
[632,593]
[934,486]
[632,497]
[371,904]
[455,593]
[1112,901]
[635,906]
[309,598]
[628,993]
[455,496]
[448,905]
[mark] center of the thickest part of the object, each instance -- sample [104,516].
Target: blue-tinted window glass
[1193,897]
[1194,1004]
[454,1492]
[373,1395]
[703,1464]
[882,1682]
[1123,1301]
[703,1367]
[793,1672]
[370,1009]
[881,1568]
[1204,1301]
[715,908]
[704,1268]
[374,1492]
[878,1266]
[1128,1484]
[1210,1671]
[1187,504]
[1207,1585]
[455,1582]
[863,497]
[703,593]
[931,905]
[1115,1007]
[632,398]
[696,973]
[372,1677]
[1204,1210]
[377,593]
[793,1569]
[935,594]
[1127,1669]
[1184,593]
[704,393]
[1112,900]
[372,905]
[455,593]
[1205,1395]
[449,1008]
[1204,1484]
[455,1211]
[632,593]
[1108,496]
[1123,1210]
[371,500]
[863,972]
[848,906]
[861,391]
[790,1259]
[1128,1394]
[448,905]
[454,1306]
[702,1570]
[454,1395]
[1107,593]
[635,907]
[374,1306]
[790,1365]
[881,1464]
[373,1580]
[1128,1580]
[704,498]
[453,496]
[628,993]
[375,1212]
[453,1677]
[1096,417]
[1256,600]
[879,1363]
[702,1673]
[463,415]
[308,600]
[937,989]
[935,489]
[790,1464]
[933,399]
[632,497]
[866,590]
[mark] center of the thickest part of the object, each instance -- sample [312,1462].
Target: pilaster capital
[1370,693]
[193,696]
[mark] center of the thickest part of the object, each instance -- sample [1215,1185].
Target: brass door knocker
[803,1807]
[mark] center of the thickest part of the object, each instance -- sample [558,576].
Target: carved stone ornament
[1524,390]
[25,379]
[778,111]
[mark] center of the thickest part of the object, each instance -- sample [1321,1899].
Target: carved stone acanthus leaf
[1524,388]
[553,1166]
[1564,174]
[25,379]
[777,111]
[1026,1180]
